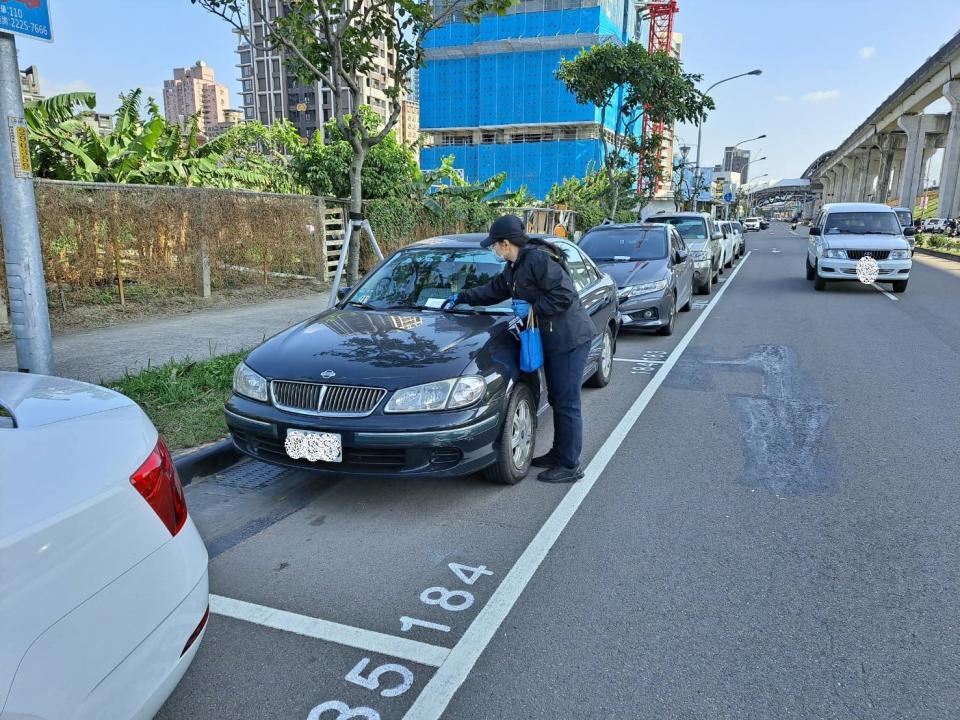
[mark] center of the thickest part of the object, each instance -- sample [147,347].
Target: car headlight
[442,395]
[899,255]
[632,290]
[836,253]
[249,384]
[699,255]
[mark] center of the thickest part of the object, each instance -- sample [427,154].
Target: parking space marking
[455,669]
[645,361]
[888,294]
[376,642]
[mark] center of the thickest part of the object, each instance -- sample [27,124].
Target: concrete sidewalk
[104,354]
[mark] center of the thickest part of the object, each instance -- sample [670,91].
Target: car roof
[897,209]
[652,218]
[619,226]
[464,240]
[857,207]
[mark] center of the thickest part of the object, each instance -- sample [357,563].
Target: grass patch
[184,399]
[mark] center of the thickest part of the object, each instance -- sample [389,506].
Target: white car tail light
[156,480]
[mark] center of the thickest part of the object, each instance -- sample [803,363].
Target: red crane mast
[660,14]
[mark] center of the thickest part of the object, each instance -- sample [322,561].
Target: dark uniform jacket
[547,286]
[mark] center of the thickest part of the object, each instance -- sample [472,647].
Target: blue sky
[111,46]
[827,64]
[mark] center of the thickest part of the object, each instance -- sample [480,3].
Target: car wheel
[605,367]
[716,275]
[818,282]
[517,437]
[811,273]
[900,286]
[671,319]
[707,286]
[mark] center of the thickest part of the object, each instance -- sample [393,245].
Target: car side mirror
[909,232]
[815,231]
[718,236]
[682,255]
[343,291]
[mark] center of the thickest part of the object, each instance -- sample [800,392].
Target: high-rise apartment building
[192,90]
[736,160]
[489,96]
[271,92]
[30,84]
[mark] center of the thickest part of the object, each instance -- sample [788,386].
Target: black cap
[507,227]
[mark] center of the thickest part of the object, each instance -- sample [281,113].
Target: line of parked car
[384,383]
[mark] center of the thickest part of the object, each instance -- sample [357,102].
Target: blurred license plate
[313,446]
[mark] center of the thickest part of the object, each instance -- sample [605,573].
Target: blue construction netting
[537,165]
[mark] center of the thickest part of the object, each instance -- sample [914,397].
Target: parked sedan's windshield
[862,223]
[424,278]
[689,228]
[626,244]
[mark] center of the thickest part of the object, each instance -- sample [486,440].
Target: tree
[627,81]
[267,152]
[335,43]
[138,149]
[324,165]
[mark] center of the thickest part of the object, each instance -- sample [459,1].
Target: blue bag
[531,346]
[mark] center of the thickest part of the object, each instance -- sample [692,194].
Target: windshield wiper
[389,306]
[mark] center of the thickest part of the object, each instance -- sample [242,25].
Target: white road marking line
[888,294]
[354,637]
[438,692]
[638,361]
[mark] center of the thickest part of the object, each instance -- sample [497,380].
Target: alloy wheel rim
[606,360]
[521,435]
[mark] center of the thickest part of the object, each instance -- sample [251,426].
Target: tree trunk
[356,206]
[614,193]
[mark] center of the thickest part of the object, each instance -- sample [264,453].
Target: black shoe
[561,474]
[547,460]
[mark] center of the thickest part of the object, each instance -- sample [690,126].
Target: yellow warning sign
[20,147]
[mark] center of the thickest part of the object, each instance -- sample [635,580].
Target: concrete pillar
[872,193]
[862,159]
[950,172]
[897,172]
[885,158]
[912,163]
[846,192]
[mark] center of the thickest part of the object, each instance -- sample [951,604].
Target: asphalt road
[767,529]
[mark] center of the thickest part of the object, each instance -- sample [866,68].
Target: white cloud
[867,52]
[783,98]
[821,95]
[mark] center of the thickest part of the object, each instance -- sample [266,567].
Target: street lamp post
[696,183]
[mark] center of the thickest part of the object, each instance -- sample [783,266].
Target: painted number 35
[399,679]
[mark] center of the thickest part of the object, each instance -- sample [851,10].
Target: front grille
[875,254]
[373,460]
[324,399]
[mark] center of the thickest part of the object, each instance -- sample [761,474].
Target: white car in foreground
[103,576]
[848,240]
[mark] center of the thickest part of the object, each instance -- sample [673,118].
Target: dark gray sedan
[652,268]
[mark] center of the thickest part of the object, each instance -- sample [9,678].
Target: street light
[696,199]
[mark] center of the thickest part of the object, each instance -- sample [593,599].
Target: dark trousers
[564,374]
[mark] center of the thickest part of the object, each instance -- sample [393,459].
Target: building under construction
[490,98]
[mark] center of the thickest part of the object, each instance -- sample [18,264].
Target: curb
[937,253]
[206,460]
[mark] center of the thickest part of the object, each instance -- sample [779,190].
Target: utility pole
[18,210]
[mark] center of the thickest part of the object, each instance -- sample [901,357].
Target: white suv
[845,233]
[752,223]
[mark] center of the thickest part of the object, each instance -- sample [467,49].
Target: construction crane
[660,14]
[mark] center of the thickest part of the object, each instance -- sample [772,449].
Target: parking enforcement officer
[535,278]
